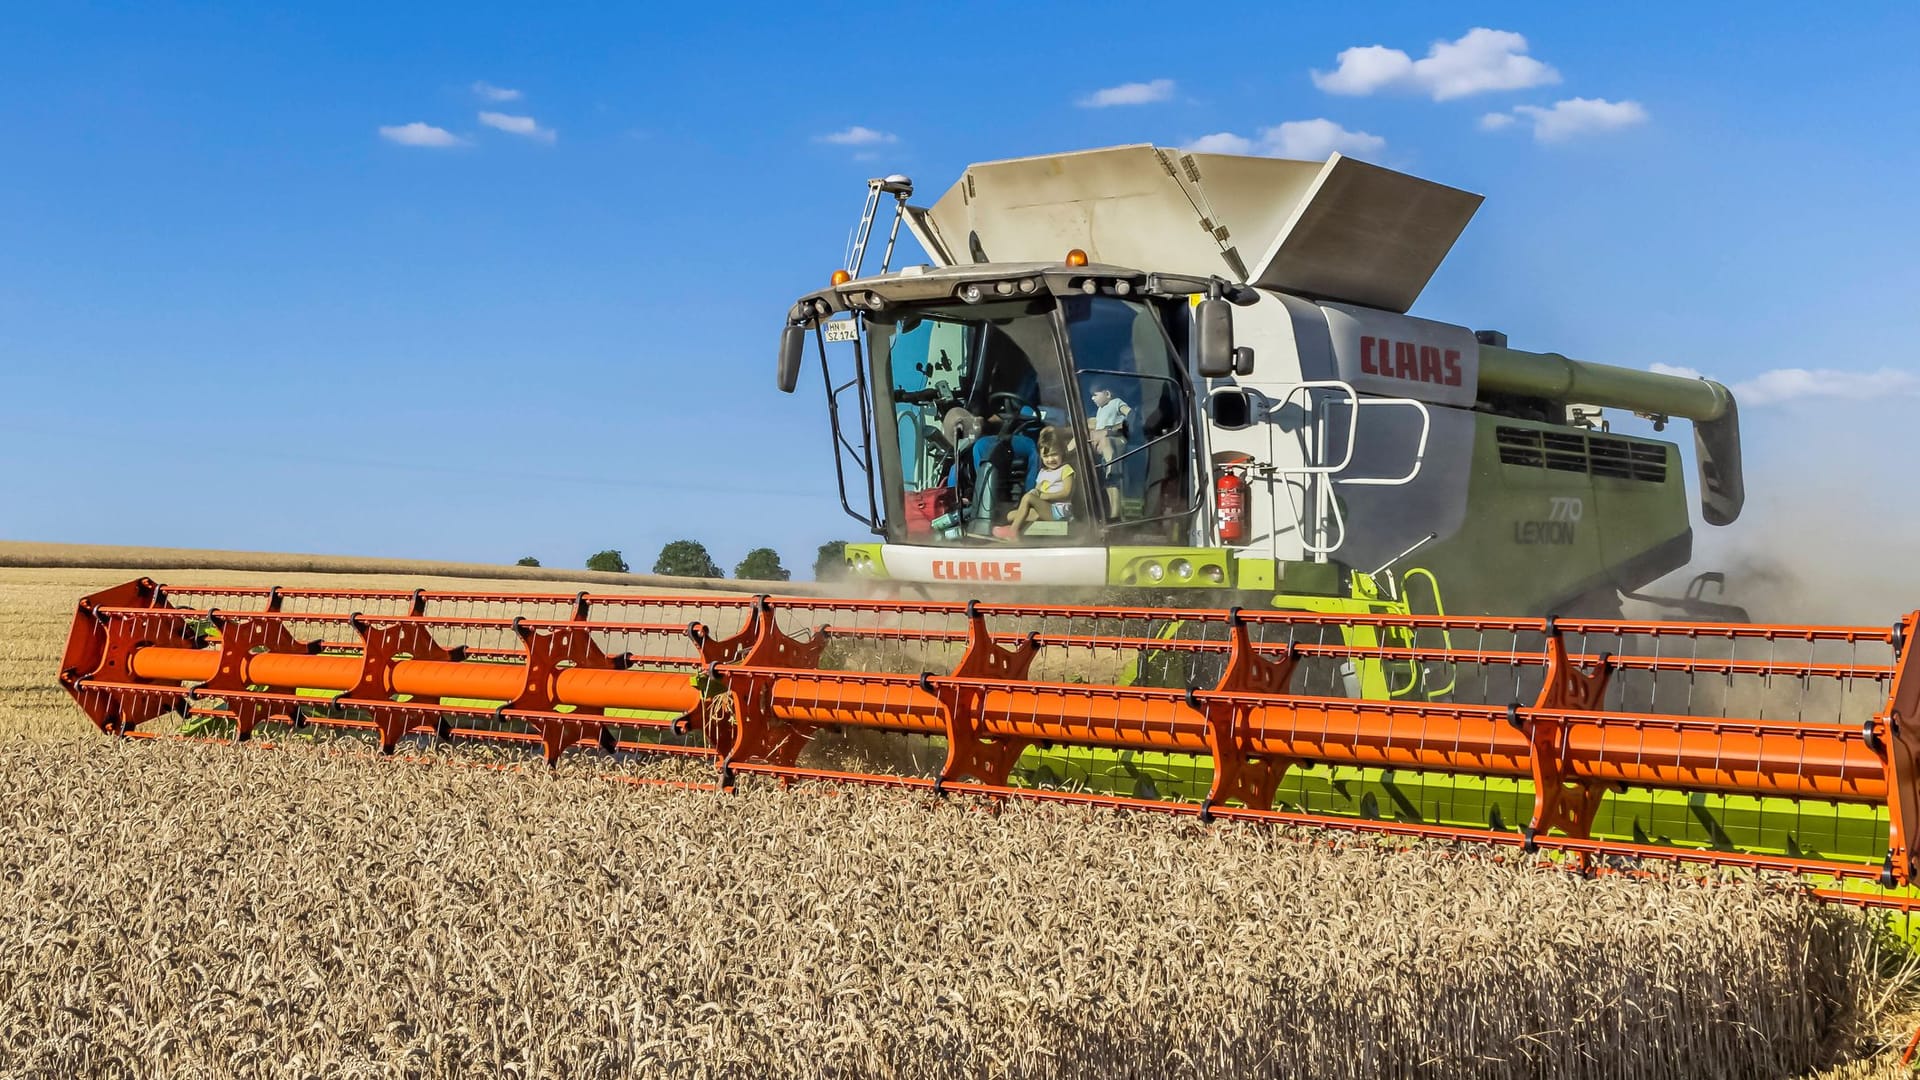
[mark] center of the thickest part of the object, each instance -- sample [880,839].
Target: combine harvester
[1242,611]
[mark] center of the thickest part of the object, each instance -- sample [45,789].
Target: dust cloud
[1831,531]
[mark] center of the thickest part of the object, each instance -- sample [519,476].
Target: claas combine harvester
[1174,507]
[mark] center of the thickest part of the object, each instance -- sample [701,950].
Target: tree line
[690,558]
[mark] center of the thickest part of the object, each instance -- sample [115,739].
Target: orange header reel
[1604,739]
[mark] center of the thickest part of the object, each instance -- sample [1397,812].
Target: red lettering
[1429,364]
[1410,360]
[954,570]
[1406,360]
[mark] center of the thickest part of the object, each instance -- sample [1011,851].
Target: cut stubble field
[193,909]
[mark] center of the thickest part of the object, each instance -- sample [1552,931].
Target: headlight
[1214,574]
[1153,571]
[1182,569]
[971,294]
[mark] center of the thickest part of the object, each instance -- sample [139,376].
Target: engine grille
[1583,452]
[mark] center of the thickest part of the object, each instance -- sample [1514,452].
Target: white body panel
[1297,435]
[1285,352]
[1401,356]
[986,566]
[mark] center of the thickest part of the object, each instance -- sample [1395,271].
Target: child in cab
[1052,493]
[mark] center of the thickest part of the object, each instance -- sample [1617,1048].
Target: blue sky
[235,313]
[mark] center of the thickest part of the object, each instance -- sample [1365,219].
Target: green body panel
[1206,568]
[1536,539]
[1843,832]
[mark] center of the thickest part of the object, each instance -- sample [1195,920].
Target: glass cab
[1033,420]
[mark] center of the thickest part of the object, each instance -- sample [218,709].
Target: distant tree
[528,560]
[762,564]
[610,560]
[831,563]
[686,558]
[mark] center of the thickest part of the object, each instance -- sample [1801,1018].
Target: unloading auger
[1779,748]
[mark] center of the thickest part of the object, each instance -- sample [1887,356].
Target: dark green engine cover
[1559,519]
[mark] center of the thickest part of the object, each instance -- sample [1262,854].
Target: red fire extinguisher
[1230,505]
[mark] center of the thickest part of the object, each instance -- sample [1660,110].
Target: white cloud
[1573,117]
[1223,142]
[1481,60]
[1802,384]
[1494,121]
[1311,139]
[858,136]
[1795,384]
[496,93]
[1306,139]
[518,125]
[1133,93]
[419,134]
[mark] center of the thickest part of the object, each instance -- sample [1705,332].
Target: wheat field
[197,910]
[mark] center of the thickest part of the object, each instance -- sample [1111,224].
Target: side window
[918,347]
[1136,408]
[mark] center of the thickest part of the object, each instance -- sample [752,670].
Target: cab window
[1135,400]
[971,395]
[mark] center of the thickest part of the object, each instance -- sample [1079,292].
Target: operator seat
[995,472]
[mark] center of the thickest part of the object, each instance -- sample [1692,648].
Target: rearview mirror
[793,345]
[1243,361]
[1213,338]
